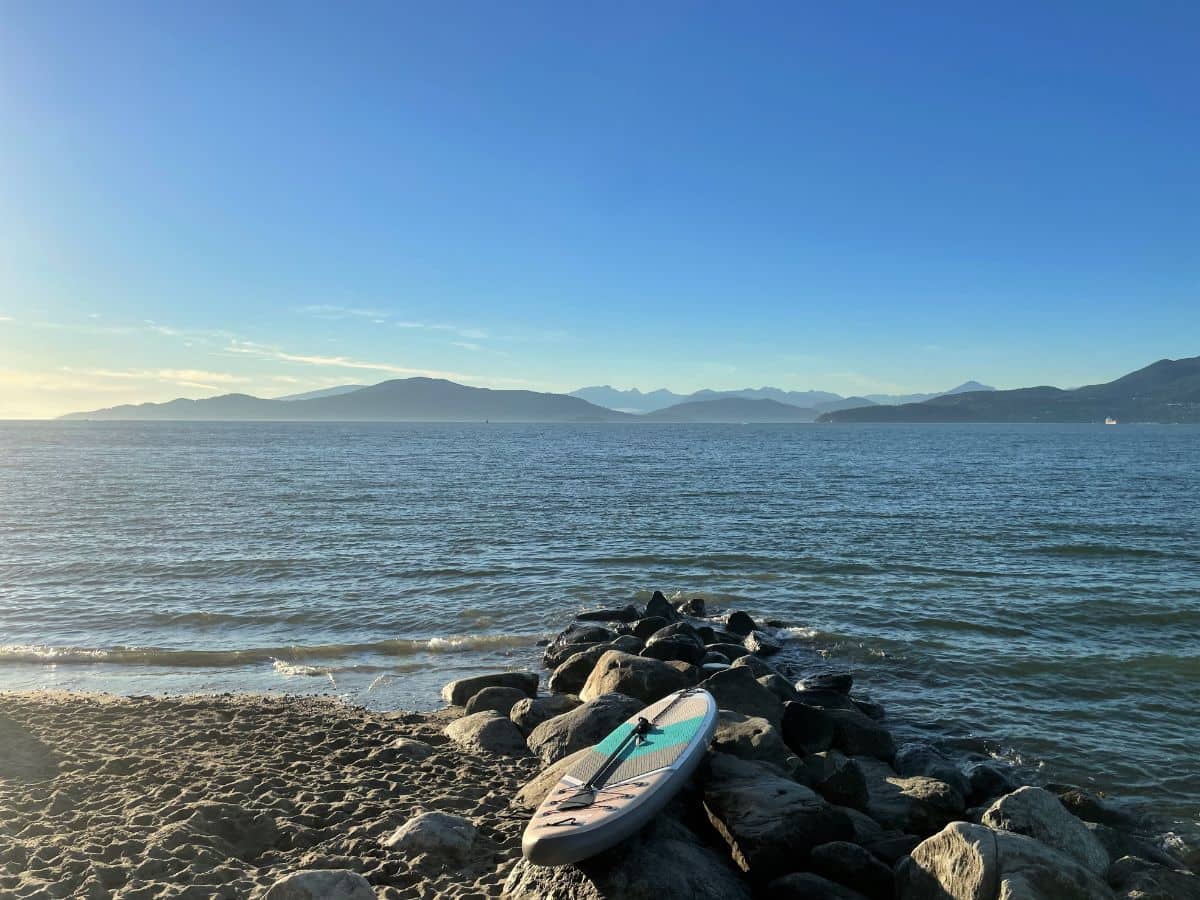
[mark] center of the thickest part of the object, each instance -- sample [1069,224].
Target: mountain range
[1167,391]
[635,401]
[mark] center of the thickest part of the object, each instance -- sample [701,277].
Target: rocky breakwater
[806,792]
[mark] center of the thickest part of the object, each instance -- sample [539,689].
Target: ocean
[1032,589]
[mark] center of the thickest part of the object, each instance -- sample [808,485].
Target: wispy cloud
[198,378]
[6,318]
[466,345]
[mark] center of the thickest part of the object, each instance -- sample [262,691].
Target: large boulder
[1037,813]
[740,623]
[660,608]
[535,790]
[643,628]
[859,735]
[678,641]
[496,698]
[761,643]
[1090,808]
[732,652]
[645,679]
[457,693]
[1140,879]
[837,778]
[572,639]
[581,727]
[753,738]
[854,867]
[572,673]
[769,821]
[922,759]
[807,886]
[917,805]
[779,686]
[824,699]
[737,689]
[487,732]
[531,712]
[806,729]
[988,780]
[321,884]
[693,607]
[1123,843]
[974,862]
[665,861]
[624,614]
[444,837]
[827,680]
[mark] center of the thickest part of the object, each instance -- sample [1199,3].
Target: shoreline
[229,795]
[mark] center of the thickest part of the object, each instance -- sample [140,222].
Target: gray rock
[572,673]
[457,693]
[870,708]
[531,712]
[678,641]
[973,862]
[866,829]
[487,732]
[711,656]
[665,861]
[444,837]
[693,607]
[837,778]
[891,846]
[732,652]
[921,759]
[1090,808]
[581,727]
[627,643]
[824,699]
[740,623]
[496,698]
[858,735]
[806,729]
[989,780]
[1122,843]
[737,689]
[647,626]
[1040,815]
[624,614]
[572,639]
[917,805]
[769,821]
[644,679]
[854,867]
[841,682]
[1140,879]
[410,748]
[535,790]
[761,643]
[807,886]
[753,738]
[321,884]
[659,607]
[779,686]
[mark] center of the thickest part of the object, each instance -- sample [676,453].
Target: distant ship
[1110,421]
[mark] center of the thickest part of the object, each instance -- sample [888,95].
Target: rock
[321,884]
[693,607]
[711,657]
[740,623]
[536,789]
[624,614]
[487,732]
[446,838]
[660,608]
[761,643]
[866,829]
[891,847]
[736,688]
[837,778]
[825,699]
[807,886]
[572,673]
[409,748]
[647,626]
[581,727]
[1119,843]
[858,735]
[806,729]
[779,686]
[770,822]
[921,759]
[1090,808]
[973,862]
[917,805]
[870,708]
[665,861]
[989,780]
[645,679]
[531,712]
[1139,879]
[627,643]
[496,698]
[854,867]
[732,652]
[575,637]
[457,693]
[841,682]
[678,641]
[711,668]
[753,738]
[1040,815]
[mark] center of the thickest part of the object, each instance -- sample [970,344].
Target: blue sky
[859,197]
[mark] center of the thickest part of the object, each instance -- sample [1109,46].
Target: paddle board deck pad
[623,781]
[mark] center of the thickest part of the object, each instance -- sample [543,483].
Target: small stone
[457,693]
[487,732]
[446,837]
[321,884]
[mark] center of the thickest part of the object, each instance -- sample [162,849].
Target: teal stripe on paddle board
[658,739]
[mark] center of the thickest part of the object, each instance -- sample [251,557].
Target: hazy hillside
[1166,391]
[323,392]
[897,399]
[631,400]
[406,399]
[732,409]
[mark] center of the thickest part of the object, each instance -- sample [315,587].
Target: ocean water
[1035,588]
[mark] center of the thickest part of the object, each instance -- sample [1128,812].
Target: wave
[1103,550]
[290,655]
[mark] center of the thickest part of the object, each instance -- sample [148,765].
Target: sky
[857,197]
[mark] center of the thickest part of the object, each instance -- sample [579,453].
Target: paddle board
[623,781]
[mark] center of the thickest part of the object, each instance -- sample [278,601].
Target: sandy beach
[206,797]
